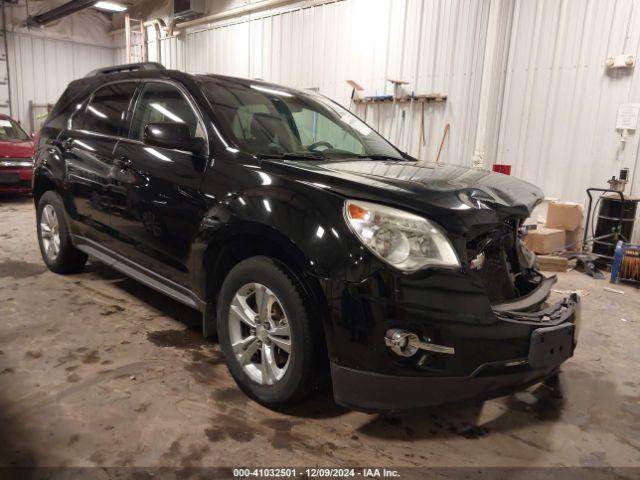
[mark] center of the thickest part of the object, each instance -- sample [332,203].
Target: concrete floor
[96,369]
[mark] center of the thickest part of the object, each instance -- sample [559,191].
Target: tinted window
[265,119]
[106,113]
[163,103]
[62,110]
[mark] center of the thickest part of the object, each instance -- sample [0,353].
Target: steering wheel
[321,143]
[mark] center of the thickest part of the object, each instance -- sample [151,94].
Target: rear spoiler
[128,67]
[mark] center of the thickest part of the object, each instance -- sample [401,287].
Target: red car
[16,157]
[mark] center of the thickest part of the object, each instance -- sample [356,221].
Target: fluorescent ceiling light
[95,111]
[271,90]
[110,6]
[157,154]
[166,112]
[266,179]
[82,144]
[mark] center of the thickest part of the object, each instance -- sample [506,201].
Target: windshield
[267,121]
[11,131]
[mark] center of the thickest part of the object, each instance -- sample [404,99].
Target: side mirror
[174,136]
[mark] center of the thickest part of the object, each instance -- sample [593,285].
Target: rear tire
[56,248]
[262,313]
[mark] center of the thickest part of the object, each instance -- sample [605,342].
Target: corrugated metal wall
[553,103]
[41,68]
[435,45]
[560,102]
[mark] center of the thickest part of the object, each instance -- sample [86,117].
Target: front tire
[56,248]
[266,332]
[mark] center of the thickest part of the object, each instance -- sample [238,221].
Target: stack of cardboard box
[562,231]
[568,217]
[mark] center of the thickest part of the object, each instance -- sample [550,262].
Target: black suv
[308,242]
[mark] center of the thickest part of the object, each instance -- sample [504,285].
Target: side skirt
[140,273]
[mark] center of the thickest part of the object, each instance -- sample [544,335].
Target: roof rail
[128,67]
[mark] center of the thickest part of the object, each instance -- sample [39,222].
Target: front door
[157,207]
[88,146]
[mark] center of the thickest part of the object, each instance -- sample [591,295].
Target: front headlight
[404,240]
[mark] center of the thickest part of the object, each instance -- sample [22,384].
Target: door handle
[122,162]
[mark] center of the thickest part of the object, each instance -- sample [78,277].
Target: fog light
[401,342]
[405,343]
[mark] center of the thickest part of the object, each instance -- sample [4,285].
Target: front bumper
[367,391]
[15,180]
[549,336]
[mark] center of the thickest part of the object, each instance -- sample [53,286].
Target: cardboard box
[545,240]
[574,239]
[564,215]
[552,263]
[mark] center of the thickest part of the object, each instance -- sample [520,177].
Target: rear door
[157,206]
[88,146]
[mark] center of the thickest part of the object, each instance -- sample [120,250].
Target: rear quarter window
[62,110]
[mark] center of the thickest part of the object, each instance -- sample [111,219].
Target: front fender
[309,231]
[305,219]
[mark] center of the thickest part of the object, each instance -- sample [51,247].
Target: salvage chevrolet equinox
[311,245]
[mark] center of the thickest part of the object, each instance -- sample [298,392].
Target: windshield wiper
[380,156]
[292,156]
[332,155]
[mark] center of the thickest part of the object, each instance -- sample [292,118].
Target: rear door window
[107,111]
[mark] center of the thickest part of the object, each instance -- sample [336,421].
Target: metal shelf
[433,97]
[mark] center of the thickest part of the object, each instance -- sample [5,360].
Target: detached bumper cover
[550,344]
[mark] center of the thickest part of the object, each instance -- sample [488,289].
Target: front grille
[16,162]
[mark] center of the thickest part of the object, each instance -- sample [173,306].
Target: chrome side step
[138,272]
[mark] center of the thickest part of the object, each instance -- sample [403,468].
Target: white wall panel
[560,102]
[552,102]
[41,68]
[436,45]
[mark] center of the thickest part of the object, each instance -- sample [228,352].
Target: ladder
[135,34]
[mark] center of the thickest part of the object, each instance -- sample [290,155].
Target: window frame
[185,94]
[83,106]
[87,101]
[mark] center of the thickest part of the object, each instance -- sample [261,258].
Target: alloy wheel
[259,333]
[50,232]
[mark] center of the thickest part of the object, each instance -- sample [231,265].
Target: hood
[472,196]
[20,149]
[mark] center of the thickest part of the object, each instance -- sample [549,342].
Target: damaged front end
[504,263]
[507,269]
[518,293]
[439,334]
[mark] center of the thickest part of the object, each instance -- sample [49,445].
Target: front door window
[164,103]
